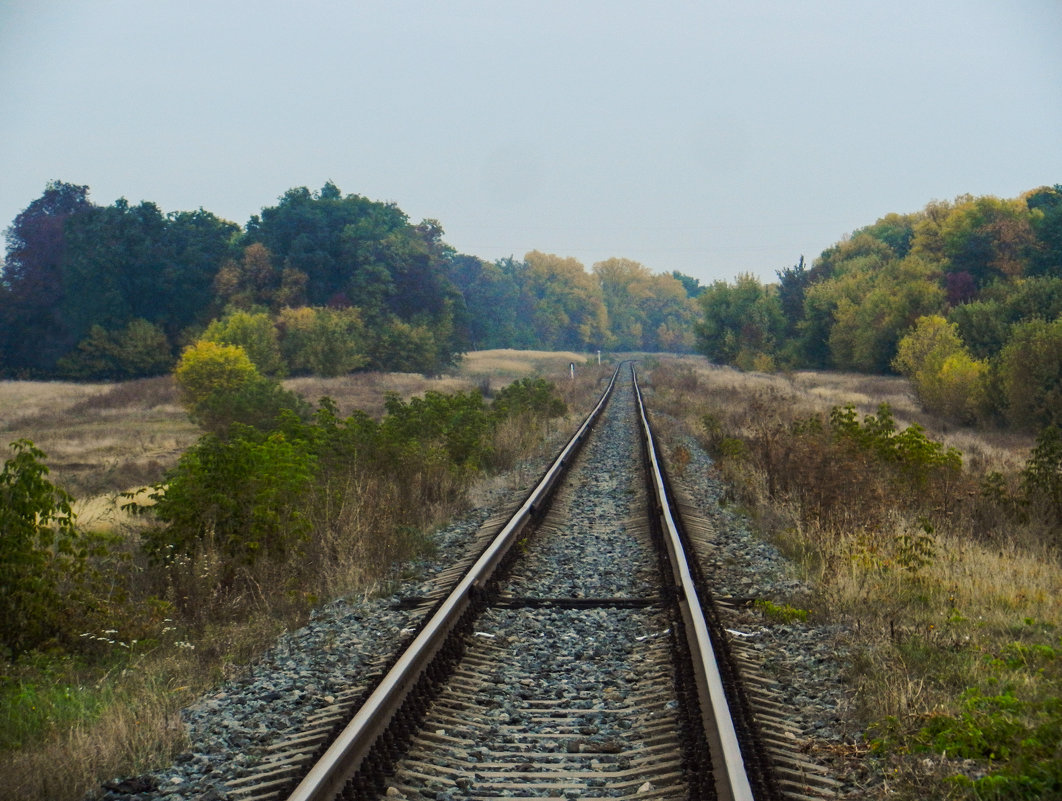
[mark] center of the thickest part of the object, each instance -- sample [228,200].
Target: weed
[915,551]
[781,613]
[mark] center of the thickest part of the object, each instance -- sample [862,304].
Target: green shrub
[325,342]
[781,613]
[1017,739]
[916,550]
[44,558]
[44,699]
[945,377]
[534,396]
[242,496]
[917,456]
[138,350]
[1030,373]
[256,334]
[1041,478]
[457,425]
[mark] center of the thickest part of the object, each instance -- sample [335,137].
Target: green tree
[495,314]
[255,333]
[670,316]
[833,290]
[568,311]
[241,496]
[33,331]
[1041,478]
[985,324]
[348,251]
[220,387]
[195,244]
[741,322]
[928,241]
[126,262]
[987,238]
[895,230]
[137,351]
[812,345]
[876,308]
[944,376]
[326,342]
[793,283]
[644,311]
[1045,208]
[625,290]
[403,347]
[690,284]
[1030,371]
[249,283]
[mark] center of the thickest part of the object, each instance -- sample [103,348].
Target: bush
[136,351]
[240,497]
[403,347]
[207,367]
[457,424]
[325,342]
[916,455]
[1030,371]
[947,380]
[826,463]
[220,386]
[534,396]
[1041,479]
[43,556]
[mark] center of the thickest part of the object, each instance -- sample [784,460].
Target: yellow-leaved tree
[219,386]
[947,380]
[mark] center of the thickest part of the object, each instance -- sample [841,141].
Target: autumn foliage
[963,297]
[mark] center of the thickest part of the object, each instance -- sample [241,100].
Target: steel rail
[343,758]
[732,783]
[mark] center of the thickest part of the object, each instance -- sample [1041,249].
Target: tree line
[963,297]
[320,282]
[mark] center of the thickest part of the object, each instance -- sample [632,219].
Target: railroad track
[573,658]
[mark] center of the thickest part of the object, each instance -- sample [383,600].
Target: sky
[712,138]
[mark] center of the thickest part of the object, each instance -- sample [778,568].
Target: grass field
[952,603]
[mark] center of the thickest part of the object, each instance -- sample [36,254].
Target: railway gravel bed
[554,701]
[231,729]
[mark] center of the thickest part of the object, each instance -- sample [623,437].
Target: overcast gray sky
[708,137]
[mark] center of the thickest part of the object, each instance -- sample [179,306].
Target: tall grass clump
[945,569]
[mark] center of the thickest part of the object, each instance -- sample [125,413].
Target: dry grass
[487,369]
[935,613]
[513,364]
[100,439]
[367,392]
[137,727]
[804,394]
[23,400]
